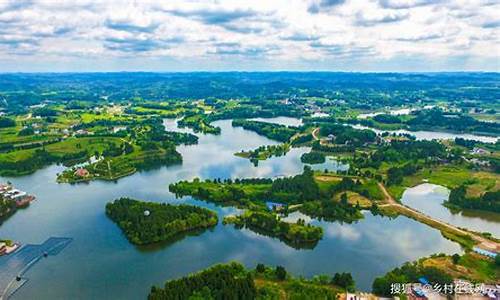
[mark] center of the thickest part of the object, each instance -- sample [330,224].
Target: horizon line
[245,71]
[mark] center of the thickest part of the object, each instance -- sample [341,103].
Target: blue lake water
[101,264]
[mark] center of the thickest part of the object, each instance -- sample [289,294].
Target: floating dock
[14,265]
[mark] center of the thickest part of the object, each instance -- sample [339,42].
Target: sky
[272,35]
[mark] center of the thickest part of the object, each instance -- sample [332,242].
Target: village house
[274,206]
[82,172]
[81,132]
[9,193]
[479,151]
[480,162]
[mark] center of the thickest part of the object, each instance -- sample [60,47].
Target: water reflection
[288,121]
[101,264]
[434,135]
[428,198]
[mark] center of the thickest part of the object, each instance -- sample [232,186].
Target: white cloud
[230,34]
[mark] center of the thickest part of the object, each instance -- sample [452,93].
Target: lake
[394,112]
[428,198]
[422,134]
[434,135]
[288,121]
[101,264]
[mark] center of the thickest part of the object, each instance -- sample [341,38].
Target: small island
[270,224]
[264,152]
[312,158]
[148,222]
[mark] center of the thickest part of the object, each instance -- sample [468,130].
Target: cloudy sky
[171,35]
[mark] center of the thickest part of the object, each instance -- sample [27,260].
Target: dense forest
[332,211]
[298,188]
[233,281]
[230,281]
[149,222]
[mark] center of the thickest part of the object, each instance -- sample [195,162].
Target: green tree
[344,280]
[343,199]
[280,273]
[260,268]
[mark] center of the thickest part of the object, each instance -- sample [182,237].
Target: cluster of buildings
[275,206]
[9,193]
[458,290]
[6,248]
[479,151]
[81,172]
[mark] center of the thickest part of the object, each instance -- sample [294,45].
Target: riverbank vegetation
[435,119]
[199,124]
[7,209]
[229,281]
[149,222]
[234,281]
[294,189]
[277,132]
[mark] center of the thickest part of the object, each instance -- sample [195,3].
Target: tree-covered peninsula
[277,132]
[150,222]
[107,141]
[315,194]
[234,281]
